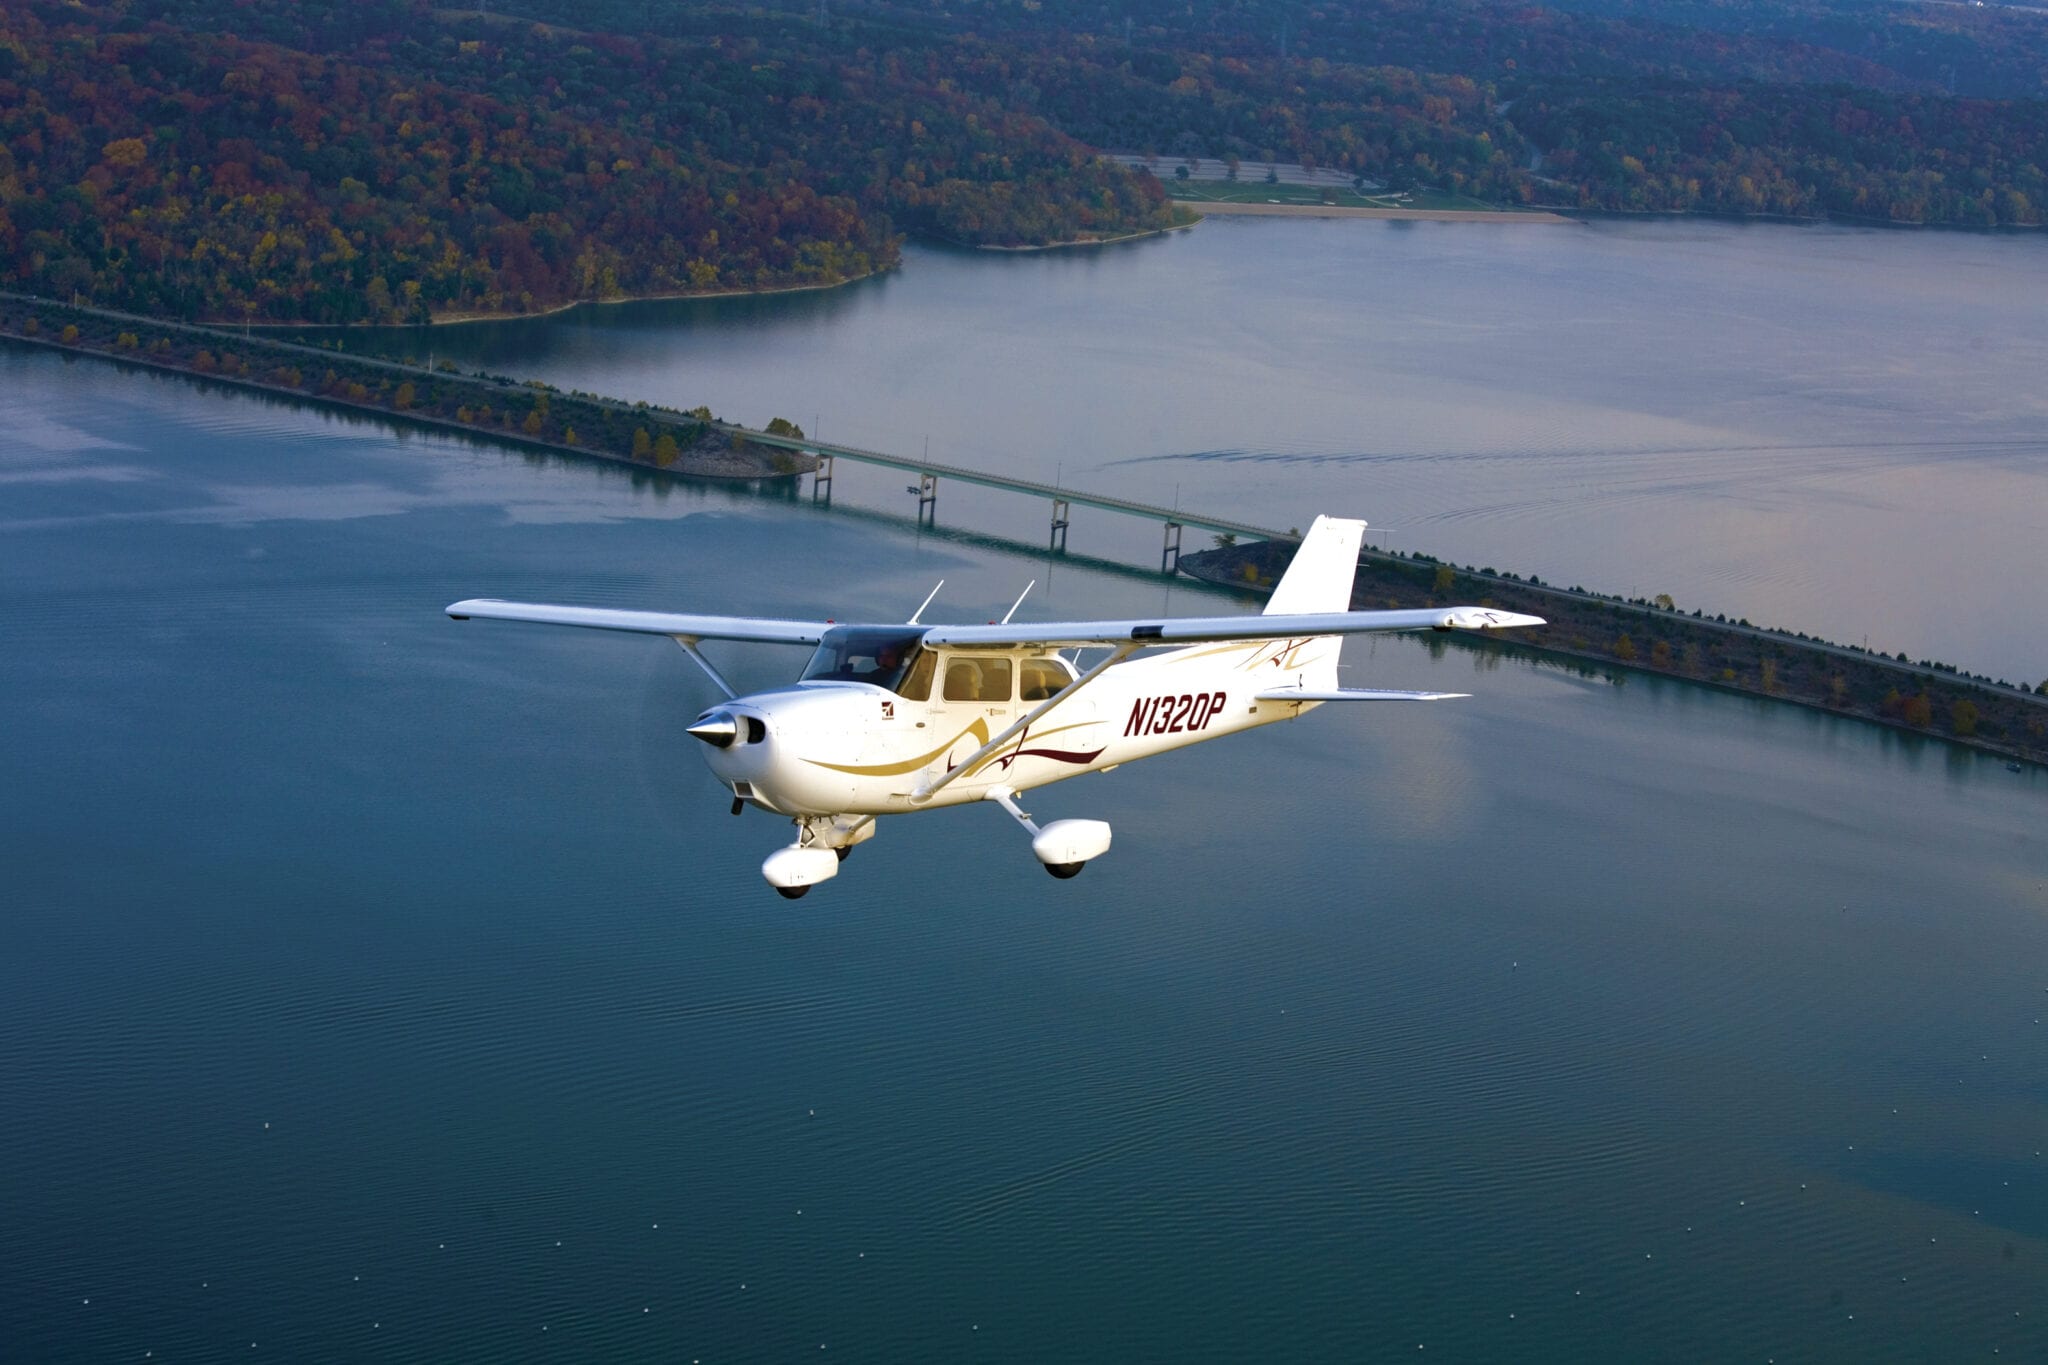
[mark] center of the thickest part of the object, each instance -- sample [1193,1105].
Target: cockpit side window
[917,683]
[870,654]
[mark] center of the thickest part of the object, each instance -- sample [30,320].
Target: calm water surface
[1837,430]
[374,987]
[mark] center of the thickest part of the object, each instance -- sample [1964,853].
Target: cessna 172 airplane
[888,719]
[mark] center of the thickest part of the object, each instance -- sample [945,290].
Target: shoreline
[1074,242]
[1361,211]
[457,319]
[724,460]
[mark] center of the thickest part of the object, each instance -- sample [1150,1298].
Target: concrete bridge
[1062,500]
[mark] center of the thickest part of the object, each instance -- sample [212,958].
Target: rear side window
[1039,679]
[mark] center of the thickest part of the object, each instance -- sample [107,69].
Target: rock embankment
[1655,637]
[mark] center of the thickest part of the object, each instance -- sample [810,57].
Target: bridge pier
[1059,525]
[927,491]
[1169,548]
[821,480]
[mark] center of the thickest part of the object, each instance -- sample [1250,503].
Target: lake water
[377,987]
[1836,430]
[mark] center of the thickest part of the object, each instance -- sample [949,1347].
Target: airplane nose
[716,728]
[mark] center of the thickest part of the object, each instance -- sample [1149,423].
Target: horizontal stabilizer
[1352,694]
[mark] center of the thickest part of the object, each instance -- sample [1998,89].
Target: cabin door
[975,700]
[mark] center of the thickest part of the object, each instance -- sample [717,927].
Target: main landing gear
[823,842]
[1064,846]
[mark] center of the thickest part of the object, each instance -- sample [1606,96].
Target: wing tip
[1488,618]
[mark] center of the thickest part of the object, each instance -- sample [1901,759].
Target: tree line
[344,161]
[401,163]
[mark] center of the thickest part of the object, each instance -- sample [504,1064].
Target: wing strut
[689,644]
[1117,655]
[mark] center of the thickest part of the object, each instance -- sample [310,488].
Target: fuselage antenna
[1020,601]
[913,621]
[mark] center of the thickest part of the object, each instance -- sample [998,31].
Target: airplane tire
[844,852]
[792,892]
[1065,870]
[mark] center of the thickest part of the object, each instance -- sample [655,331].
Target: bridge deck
[1072,496]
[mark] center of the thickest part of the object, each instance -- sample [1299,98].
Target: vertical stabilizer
[1320,577]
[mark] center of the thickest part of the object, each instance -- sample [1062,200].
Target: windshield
[869,654]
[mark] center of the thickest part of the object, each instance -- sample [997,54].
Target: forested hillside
[382,160]
[385,162]
[1927,113]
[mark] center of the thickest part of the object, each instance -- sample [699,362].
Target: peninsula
[527,414]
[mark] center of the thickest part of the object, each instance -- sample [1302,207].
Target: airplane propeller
[716,728]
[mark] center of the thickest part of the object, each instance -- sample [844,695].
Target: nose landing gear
[822,843]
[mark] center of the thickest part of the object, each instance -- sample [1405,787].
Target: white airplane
[889,719]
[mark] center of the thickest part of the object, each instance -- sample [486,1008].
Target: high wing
[677,625]
[1199,629]
[1053,634]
